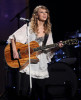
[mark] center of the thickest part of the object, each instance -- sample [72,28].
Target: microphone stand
[27,31]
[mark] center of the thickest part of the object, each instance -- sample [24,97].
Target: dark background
[65,18]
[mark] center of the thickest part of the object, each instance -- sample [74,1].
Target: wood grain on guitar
[23,54]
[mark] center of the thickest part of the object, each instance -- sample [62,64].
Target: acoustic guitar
[22,49]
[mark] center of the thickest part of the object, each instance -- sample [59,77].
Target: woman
[39,26]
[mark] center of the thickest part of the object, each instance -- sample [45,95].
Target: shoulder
[23,26]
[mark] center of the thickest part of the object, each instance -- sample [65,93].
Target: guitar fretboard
[45,47]
[68,42]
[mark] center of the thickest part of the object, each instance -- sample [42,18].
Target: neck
[40,23]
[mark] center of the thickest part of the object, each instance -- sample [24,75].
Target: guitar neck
[68,42]
[46,47]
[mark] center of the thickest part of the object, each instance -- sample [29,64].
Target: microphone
[24,19]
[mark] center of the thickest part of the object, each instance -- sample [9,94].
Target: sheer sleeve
[49,54]
[19,35]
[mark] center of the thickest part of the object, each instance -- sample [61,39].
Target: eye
[43,12]
[46,12]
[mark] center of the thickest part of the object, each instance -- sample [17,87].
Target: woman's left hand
[60,44]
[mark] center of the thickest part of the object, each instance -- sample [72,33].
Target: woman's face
[42,14]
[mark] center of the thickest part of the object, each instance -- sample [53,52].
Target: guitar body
[23,54]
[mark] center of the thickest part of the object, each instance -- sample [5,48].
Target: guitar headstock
[71,42]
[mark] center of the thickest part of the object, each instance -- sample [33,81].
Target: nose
[44,13]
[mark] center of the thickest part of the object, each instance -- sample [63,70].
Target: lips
[44,17]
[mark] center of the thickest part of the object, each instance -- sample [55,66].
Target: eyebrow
[43,11]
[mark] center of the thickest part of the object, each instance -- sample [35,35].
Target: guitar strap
[45,39]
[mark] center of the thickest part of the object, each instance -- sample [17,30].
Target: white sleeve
[20,35]
[49,41]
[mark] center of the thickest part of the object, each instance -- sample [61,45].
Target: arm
[18,36]
[15,53]
[60,45]
[51,52]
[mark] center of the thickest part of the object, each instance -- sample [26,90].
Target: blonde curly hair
[34,24]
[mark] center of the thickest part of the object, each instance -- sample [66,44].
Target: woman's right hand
[15,54]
